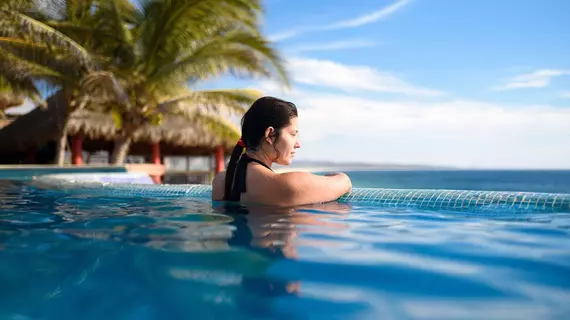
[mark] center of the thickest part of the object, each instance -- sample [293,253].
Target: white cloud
[538,79]
[463,133]
[368,18]
[339,124]
[284,35]
[365,19]
[566,95]
[338,45]
[347,78]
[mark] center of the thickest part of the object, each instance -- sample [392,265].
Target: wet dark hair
[264,112]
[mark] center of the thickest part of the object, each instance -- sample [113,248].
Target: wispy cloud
[365,19]
[538,79]
[412,129]
[566,95]
[328,46]
[444,132]
[368,18]
[285,35]
[351,78]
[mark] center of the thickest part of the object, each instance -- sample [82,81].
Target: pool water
[82,256]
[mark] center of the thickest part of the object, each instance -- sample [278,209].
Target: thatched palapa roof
[176,135]
[34,129]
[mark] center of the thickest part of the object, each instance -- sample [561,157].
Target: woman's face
[287,144]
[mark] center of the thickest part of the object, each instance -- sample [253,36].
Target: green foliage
[139,61]
[117,118]
[163,47]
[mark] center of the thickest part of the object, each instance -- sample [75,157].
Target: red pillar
[219,159]
[156,160]
[77,150]
[156,153]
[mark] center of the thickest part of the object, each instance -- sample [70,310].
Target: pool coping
[26,171]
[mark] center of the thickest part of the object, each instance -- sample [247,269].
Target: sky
[470,84]
[464,83]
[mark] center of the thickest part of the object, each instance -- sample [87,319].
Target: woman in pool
[269,135]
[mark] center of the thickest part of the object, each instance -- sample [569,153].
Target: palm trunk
[121,149]
[61,144]
[62,102]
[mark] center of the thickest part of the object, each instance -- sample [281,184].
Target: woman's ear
[269,133]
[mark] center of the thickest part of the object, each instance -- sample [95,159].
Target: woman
[269,135]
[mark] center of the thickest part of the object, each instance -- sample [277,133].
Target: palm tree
[171,45]
[57,42]
[150,54]
[32,51]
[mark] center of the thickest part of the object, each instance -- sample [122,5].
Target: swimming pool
[114,251]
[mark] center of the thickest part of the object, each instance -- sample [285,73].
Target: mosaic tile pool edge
[454,200]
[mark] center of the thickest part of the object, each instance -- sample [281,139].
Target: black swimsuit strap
[238,183]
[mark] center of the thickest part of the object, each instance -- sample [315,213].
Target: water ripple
[112,257]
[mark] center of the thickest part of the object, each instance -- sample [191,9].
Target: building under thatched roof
[176,135]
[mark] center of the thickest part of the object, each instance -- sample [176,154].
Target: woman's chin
[284,162]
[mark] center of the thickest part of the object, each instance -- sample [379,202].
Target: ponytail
[230,172]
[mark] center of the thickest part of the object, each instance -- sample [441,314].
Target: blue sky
[438,43]
[466,83]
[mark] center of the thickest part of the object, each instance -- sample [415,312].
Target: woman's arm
[290,189]
[299,188]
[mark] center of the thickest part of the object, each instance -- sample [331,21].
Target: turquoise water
[71,256]
[556,181]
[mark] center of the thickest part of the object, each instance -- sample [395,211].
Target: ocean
[556,181]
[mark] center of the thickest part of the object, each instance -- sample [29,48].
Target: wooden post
[156,160]
[156,153]
[219,159]
[77,150]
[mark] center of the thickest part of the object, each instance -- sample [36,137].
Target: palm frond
[125,47]
[41,54]
[16,69]
[112,25]
[127,12]
[239,52]
[16,25]
[218,125]
[170,24]
[223,102]
[101,89]
[26,87]
[17,5]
